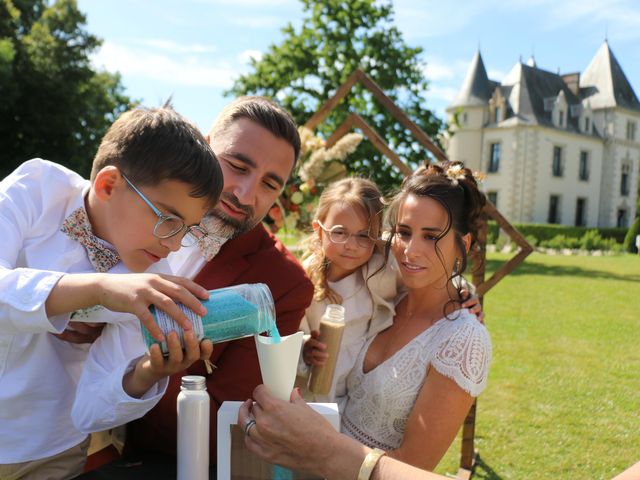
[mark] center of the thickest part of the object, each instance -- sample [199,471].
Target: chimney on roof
[572,80]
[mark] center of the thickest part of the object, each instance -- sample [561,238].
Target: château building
[556,148]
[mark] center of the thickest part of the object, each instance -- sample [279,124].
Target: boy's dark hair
[265,113]
[151,145]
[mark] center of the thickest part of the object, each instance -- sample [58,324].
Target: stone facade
[556,148]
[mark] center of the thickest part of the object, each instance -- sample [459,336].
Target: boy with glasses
[68,252]
[257,144]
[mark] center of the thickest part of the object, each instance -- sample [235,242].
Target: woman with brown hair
[413,383]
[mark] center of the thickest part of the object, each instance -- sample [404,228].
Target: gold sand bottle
[331,328]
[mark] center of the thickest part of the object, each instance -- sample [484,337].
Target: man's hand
[153,367]
[81,332]
[472,303]
[314,351]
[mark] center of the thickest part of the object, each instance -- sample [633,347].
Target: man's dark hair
[265,113]
[152,145]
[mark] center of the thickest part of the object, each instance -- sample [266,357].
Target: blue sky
[193,49]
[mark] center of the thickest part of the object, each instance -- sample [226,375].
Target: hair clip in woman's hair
[455,172]
[479,176]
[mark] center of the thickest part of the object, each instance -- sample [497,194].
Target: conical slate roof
[605,84]
[531,91]
[476,88]
[531,86]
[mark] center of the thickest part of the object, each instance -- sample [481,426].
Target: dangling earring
[456,267]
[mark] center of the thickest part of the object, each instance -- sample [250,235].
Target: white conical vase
[279,363]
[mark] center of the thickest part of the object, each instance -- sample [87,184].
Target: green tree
[335,38]
[630,238]
[54,105]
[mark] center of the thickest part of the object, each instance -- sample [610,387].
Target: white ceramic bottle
[193,429]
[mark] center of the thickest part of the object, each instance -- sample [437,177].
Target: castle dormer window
[559,114]
[497,106]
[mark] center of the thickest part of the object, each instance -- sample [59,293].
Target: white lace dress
[380,401]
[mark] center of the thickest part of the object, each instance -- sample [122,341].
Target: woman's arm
[295,436]
[445,398]
[631,473]
[436,417]
[391,469]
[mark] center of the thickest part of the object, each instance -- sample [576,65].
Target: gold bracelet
[369,463]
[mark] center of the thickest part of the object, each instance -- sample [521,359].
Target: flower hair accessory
[457,172]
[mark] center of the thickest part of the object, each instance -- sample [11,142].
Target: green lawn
[564,390]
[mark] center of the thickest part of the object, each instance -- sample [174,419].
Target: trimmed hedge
[545,232]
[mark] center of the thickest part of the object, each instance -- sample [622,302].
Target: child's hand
[134,293]
[80,332]
[472,303]
[313,352]
[153,367]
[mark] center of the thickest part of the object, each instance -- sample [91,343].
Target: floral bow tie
[78,228]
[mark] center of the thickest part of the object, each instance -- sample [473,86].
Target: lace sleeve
[465,355]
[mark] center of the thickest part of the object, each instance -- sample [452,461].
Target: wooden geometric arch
[468,454]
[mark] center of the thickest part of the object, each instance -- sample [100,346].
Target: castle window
[621,221]
[587,125]
[493,198]
[554,209]
[624,181]
[496,114]
[561,118]
[557,167]
[494,159]
[583,173]
[581,212]
[631,130]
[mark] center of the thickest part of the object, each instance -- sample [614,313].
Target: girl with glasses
[345,261]
[342,258]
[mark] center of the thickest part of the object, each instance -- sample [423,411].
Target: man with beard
[257,144]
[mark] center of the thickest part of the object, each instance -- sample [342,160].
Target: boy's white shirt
[368,299]
[187,262]
[39,372]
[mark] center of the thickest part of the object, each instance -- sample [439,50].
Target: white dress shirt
[187,262]
[39,372]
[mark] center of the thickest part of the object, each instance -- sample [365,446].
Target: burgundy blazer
[254,257]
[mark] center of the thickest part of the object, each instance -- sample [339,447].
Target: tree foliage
[630,237]
[54,105]
[335,38]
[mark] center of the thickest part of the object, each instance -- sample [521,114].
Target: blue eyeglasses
[170,225]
